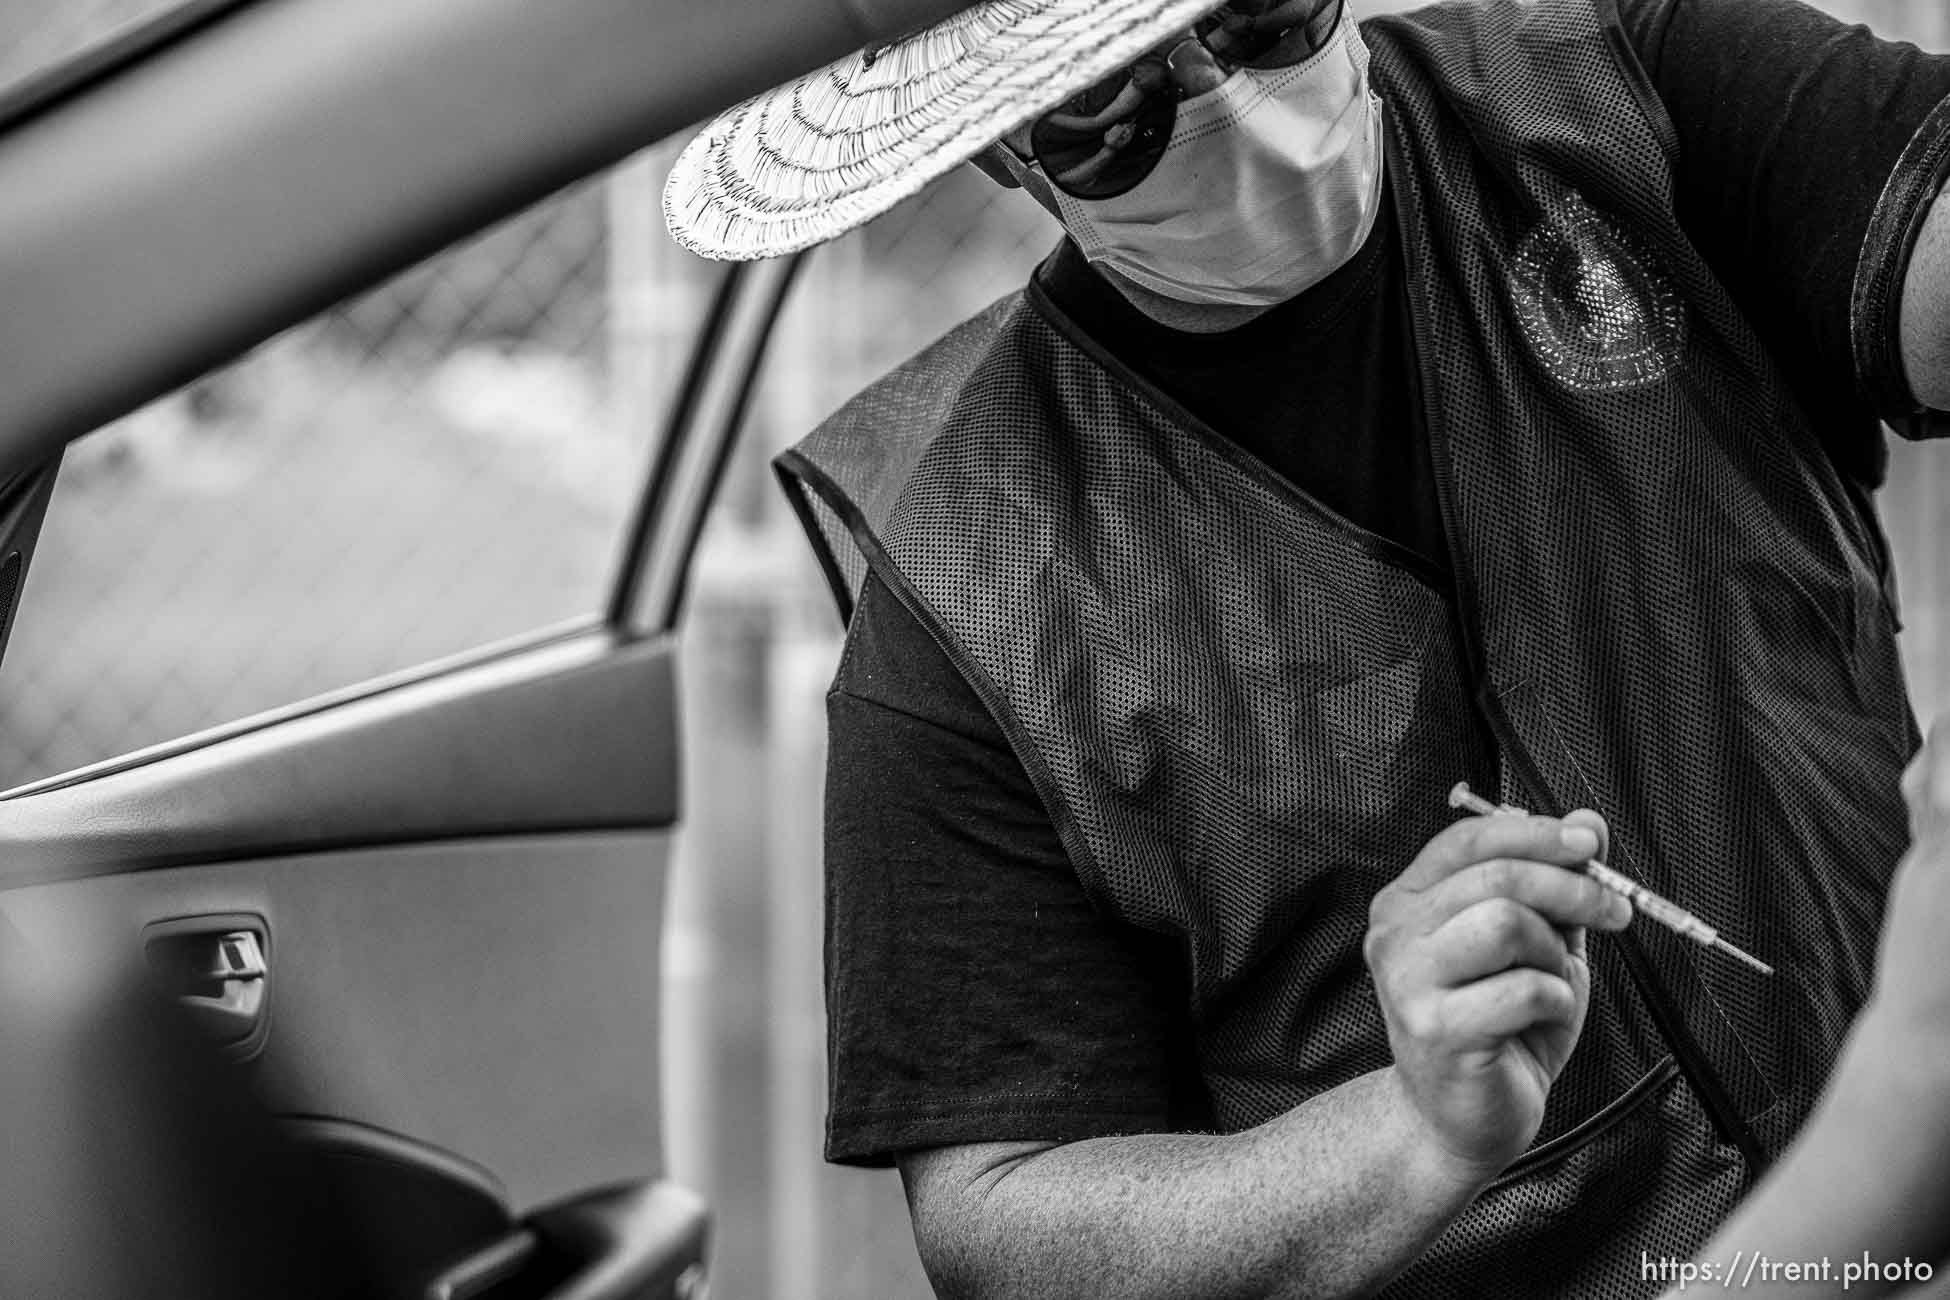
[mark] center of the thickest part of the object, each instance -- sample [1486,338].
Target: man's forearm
[1477,954]
[1331,1199]
[1867,1176]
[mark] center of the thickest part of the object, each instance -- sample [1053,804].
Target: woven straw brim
[822,155]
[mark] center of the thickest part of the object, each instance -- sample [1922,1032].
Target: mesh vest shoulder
[1243,712]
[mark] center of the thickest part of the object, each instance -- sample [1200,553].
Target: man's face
[1104,140]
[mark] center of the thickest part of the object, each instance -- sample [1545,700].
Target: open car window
[447,461]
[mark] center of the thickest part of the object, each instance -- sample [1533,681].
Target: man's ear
[992,167]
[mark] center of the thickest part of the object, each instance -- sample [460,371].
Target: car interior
[409,930]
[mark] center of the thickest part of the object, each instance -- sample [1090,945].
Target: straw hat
[819,156]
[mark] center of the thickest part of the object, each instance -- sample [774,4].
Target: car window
[441,463]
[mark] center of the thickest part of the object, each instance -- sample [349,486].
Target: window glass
[445,462]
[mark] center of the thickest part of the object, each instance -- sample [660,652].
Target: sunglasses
[1102,142]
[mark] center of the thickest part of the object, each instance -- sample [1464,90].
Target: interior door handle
[216,970]
[235,963]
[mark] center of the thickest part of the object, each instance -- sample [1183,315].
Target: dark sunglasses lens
[1267,33]
[1103,142]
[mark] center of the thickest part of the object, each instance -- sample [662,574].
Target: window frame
[38,91]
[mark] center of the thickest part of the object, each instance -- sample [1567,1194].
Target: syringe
[1665,912]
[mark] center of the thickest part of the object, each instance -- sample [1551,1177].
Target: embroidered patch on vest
[1593,303]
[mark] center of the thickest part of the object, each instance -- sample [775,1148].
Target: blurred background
[451,460]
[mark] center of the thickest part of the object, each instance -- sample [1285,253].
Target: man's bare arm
[1870,1174]
[1332,1198]
[1477,952]
[1925,320]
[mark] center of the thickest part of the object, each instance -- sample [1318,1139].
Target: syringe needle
[1747,957]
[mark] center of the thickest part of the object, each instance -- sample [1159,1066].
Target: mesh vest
[1244,713]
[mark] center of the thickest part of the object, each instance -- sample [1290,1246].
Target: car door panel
[411,1209]
[495,1000]
[479,974]
[454,878]
[575,734]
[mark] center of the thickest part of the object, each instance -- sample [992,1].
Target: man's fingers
[1494,935]
[1586,817]
[1488,1012]
[1561,895]
[1479,839]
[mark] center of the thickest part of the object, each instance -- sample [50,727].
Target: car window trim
[707,414]
[506,650]
[38,91]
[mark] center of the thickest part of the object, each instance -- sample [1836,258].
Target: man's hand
[1478,958]
[1478,953]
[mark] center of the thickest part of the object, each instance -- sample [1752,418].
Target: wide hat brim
[817,157]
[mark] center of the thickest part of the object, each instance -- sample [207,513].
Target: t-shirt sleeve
[1803,141]
[974,991]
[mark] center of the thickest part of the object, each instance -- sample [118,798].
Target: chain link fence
[426,469]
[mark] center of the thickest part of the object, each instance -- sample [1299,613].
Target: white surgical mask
[1270,182]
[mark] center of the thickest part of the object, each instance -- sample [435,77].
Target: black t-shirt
[974,992]
[1318,388]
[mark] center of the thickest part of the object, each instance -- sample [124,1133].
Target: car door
[414,920]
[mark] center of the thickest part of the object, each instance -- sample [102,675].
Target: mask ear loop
[1002,164]
[994,168]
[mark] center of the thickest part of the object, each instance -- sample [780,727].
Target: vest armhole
[805,481]
[1632,68]
[806,489]
[1069,831]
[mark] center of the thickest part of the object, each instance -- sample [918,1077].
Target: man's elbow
[960,1228]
